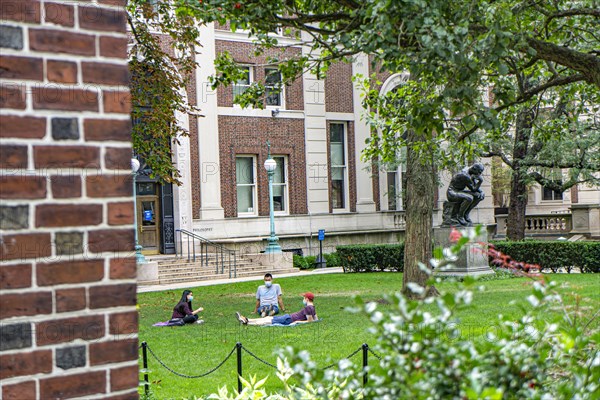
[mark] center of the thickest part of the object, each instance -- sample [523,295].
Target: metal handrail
[220,251]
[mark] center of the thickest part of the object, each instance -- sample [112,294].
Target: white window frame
[553,199]
[236,84]
[386,190]
[281,92]
[286,186]
[400,171]
[254,211]
[346,187]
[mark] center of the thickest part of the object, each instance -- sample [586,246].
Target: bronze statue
[463,195]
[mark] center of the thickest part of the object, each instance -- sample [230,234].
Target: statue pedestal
[472,260]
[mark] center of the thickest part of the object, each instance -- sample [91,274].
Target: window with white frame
[244,83]
[280,186]
[551,195]
[245,177]
[392,190]
[274,87]
[338,159]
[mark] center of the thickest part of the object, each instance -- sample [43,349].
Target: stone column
[364,182]
[208,129]
[182,194]
[315,134]
[586,219]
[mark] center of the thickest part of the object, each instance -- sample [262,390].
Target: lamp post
[139,257]
[273,246]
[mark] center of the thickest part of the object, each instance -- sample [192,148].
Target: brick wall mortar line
[30,85]
[60,113]
[69,315]
[59,372]
[60,56]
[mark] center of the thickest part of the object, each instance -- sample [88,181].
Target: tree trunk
[515,224]
[420,186]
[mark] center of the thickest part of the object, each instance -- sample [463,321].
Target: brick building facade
[68,323]
[316,134]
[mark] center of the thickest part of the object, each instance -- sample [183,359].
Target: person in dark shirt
[183,309]
[307,314]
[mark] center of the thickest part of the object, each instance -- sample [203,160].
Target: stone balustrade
[541,225]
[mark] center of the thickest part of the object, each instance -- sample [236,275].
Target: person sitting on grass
[183,309]
[268,298]
[307,314]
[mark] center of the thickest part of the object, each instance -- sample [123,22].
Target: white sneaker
[200,321]
[243,320]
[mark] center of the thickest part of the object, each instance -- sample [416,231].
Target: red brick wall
[243,53]
[247,135]
[339,88]
[68,324]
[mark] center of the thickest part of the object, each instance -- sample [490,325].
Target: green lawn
[195,349]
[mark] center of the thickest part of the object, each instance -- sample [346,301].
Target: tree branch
[503,157]
[587,64]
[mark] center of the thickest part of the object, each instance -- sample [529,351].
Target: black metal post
[239,365]
[365,351]
[145,361]
[320,254]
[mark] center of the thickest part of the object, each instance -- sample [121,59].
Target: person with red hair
[306,314]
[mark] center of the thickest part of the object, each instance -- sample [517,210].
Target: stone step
[193,277]
[210,257]
[200,265]
[204,271]
[195,268]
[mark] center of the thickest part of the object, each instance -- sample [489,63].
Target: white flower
[533,300]
[415,288]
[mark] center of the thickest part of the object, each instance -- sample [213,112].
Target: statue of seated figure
[463,195]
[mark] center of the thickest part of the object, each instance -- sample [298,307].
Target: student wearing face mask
[306,314]
[183,309]
[268,298]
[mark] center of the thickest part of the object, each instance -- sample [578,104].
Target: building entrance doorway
[148,217]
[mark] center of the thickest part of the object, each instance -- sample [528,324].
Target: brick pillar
[68,323]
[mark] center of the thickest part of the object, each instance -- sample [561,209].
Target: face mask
[268,283]
[190,298]
[304,302]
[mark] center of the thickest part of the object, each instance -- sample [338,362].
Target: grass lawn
[195,349]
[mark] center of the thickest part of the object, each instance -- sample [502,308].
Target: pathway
[191,284]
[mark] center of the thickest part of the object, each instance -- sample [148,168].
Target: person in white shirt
[268,298]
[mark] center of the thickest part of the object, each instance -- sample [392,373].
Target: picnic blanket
[171,322]
[294,323]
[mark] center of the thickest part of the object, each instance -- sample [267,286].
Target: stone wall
[68,323]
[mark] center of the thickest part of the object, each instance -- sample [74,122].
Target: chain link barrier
[377,356]
[355,352]
[258,358]
[191,376]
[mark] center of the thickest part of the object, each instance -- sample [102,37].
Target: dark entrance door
[148,216]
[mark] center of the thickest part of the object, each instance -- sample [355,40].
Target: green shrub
[372,257]
[554,254]
[307,262]
[333,260]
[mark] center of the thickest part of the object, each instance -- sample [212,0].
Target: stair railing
[222,254]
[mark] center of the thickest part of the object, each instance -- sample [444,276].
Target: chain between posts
[191,376]
[355,352]
[239,347]
[258,358]
[377,356]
